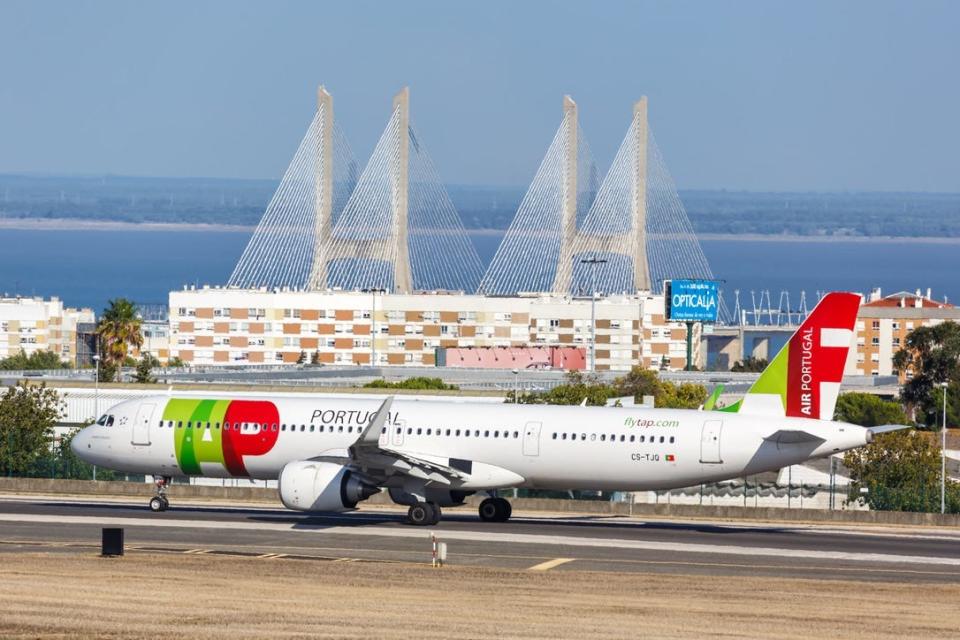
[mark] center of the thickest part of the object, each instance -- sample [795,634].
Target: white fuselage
[504,445]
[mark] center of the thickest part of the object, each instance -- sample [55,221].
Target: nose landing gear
[160,502]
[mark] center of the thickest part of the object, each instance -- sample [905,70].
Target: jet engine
[321,486]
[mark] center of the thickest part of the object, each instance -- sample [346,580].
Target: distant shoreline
[70,224]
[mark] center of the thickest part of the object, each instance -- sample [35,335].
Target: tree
[119,329]
[302,358]
[315,357]
[932,355]
[900,472]
[577,388]
[684,396]
[36,360]
[868,410]
[145,367]
[28,414]
[176,363]
[638,382]
[750,365]
[417,383]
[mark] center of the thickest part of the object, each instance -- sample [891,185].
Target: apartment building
[224,326]
[883,324]
[35,324]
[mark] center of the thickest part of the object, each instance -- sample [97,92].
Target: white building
[34,324]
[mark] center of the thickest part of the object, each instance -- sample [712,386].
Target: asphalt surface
[527,541]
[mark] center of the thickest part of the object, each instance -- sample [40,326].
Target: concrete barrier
[598,507]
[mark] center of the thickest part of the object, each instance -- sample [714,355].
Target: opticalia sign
[692,300]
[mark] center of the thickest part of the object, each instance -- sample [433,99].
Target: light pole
[373,324]
[516,386]
[96,396]
[593,262]
[943,453]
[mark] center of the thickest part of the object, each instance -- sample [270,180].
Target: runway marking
[196,551]
[489,537]
[550,564]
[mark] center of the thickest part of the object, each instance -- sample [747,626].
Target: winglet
[371,435]
[712,400]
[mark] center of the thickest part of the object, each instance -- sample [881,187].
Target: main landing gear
[495,510]
[424,513]
[160,502]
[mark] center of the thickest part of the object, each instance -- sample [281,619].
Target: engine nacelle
[440,497]
[321,486]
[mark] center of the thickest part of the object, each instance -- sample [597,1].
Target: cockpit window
[105,420]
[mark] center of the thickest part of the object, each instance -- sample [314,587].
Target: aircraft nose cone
[81,444]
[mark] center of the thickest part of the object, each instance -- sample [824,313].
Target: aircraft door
[397,429]
[531,439]
[141,424]
[710,442]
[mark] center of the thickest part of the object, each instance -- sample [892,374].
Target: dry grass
[196,596]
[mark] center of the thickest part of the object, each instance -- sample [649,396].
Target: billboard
[692,300]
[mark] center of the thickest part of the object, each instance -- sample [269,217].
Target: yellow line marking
[196,551]
[550,564]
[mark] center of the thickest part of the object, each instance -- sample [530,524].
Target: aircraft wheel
[436,513]
[489,510]
[506,509]
[156,504]
[166,503]
[421,514]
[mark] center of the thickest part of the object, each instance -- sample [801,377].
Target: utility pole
[593,262]
[516,386]
[96,393]
[943,453]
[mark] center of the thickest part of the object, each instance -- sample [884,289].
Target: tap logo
[221,432]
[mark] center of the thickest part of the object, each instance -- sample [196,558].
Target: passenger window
[583,436]
[189,425]
[283,427]
[593,437]
[603,437]
[303,427]
[496,434]
[429,431]
[554,436]
[458,432]
[419,431]
[622,437]
[642,438]
[631,438]
[661,439]
[671,439]
[448,431]
[311,428]
[516,434]
[486,434]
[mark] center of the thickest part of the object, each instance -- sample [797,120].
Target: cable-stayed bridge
[393,226]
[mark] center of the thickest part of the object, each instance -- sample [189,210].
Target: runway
[527,542]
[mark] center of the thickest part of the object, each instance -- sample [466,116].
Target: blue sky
[748,95]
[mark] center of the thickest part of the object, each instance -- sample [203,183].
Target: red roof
[905,299]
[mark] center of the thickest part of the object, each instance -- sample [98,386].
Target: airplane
[329,454]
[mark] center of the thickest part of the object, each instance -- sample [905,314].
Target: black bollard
[111,543]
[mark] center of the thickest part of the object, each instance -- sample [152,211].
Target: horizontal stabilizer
[886,428]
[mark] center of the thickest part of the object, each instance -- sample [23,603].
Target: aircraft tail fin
[803,380]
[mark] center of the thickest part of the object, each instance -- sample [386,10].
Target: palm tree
[119,329]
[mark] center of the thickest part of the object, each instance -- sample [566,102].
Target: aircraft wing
[367,456]
[793,436]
